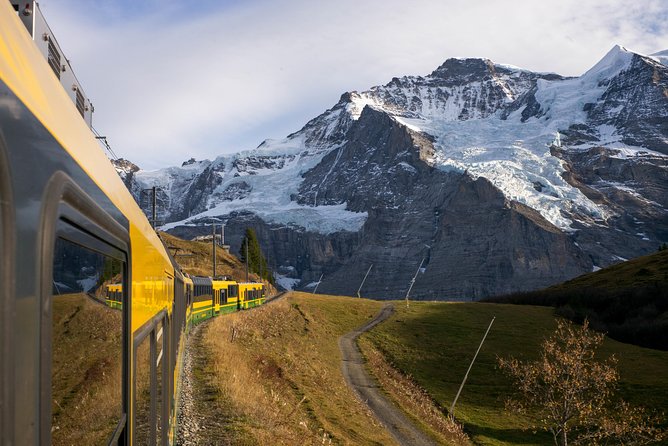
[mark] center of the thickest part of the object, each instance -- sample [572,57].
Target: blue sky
[172,80]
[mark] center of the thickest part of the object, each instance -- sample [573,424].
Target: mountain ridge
[372,179]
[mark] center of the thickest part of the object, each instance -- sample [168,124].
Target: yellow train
[93,310]
[213,297]
[206,297]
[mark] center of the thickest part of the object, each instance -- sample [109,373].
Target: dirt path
[402,429]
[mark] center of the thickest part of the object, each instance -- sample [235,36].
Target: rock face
[494,178]
[456,226]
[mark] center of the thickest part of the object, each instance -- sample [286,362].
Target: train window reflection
[87,345]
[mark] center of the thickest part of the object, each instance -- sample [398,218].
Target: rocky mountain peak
[464,70]
[123,165]
[615,61]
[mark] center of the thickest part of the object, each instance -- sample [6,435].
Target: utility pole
[246,260]
[153,213]
[413,281]
[318,284]
[213,241]
[364,280]
[222,234]
[452,408]
[154,200]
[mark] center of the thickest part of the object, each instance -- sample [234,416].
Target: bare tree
[571,395]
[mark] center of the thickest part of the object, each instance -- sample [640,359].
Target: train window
[206,295]
[203,289]
[233,291]
[149,391]
[87,345]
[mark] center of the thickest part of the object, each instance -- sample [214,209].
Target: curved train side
[94,311]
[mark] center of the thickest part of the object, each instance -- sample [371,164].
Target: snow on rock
[467,105]
[270,187]
[512,154]
[615,61]
[88,283]
[661,56]
[287,283]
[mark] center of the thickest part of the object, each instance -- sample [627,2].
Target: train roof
[201,280]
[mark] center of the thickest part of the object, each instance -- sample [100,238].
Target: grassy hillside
[434,343]
[629,301]
[278,368]
[195,258]
[643,271]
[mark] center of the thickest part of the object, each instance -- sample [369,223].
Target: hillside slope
[277,369]
[629,300]
[642,271]
[195,258]
[433,342]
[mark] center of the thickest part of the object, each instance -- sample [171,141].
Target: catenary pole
[213,242]
[153,213]
[246,259]
[452,408]
[364,280]
[318,284]
[413,281]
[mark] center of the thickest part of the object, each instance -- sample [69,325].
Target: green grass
[642,271]
[434,342]
[628,301]
[279,366]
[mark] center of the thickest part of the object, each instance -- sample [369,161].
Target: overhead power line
[105,143]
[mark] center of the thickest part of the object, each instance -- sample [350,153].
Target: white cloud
[169,83]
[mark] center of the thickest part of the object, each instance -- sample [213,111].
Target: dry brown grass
[280,367]
[412,398]
[195,259]
[86,383]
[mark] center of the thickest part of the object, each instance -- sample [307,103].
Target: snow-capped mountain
[500,178]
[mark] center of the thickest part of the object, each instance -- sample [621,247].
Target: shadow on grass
[508,436]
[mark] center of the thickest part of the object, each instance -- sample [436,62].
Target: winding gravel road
[402,429]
